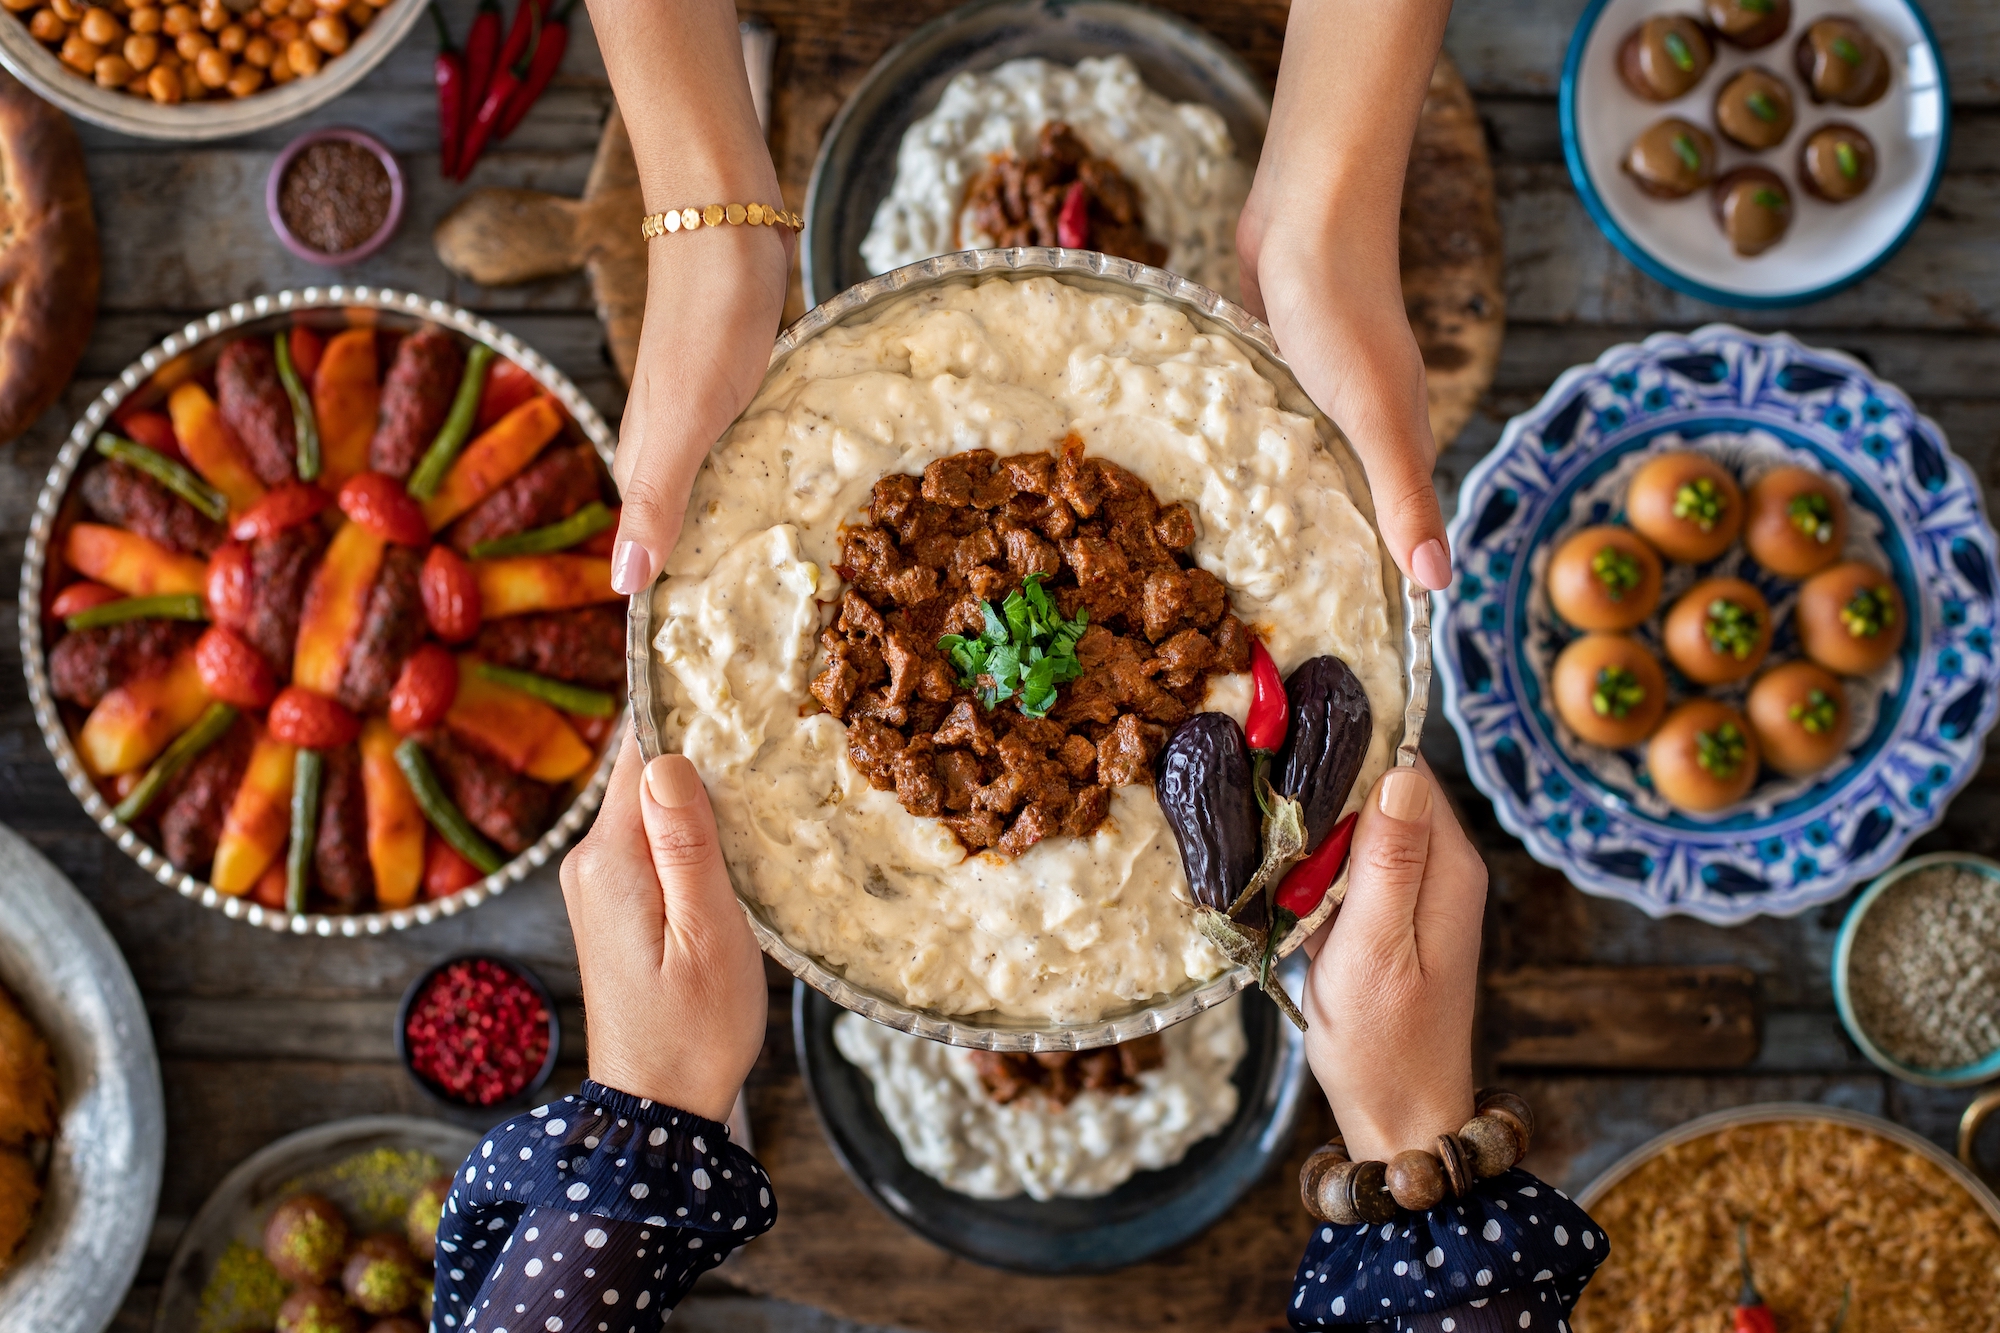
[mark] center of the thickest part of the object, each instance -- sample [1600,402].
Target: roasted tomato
[282,507]
[232,670]
[424,691]
[451,595]
[445,871]
[311,721]
[228,590]
[81,596]
[380,504]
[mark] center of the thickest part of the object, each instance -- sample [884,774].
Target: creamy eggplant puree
[952,1130]
[1075,929]
[1178,156]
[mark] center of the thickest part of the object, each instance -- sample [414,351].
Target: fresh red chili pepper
[549,49]
[1305,884]
[482,52]
[81,597]
[1265,728]
[155,431]
[1752,1315]
[284,506]
[1073,222]
[448,71]
[528,15]
[477,1031]
[506,79]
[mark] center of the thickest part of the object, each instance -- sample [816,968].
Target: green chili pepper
[451,437]
[209,728]
[1678,51]
[306,770]
[305,426]
[1618,571]
[1722,751]
[1732,628]
[176,477]
[1618,692]
[1869,613]
[570,698]
[438,808]
[1846,159]
[1686,151]
[160,606]
[1762,107]
[588,521]
[1817,714]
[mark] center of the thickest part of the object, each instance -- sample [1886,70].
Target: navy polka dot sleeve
[594,1214]
[1513,1255]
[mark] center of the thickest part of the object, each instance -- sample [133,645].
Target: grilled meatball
[281,565]
[391,628]
[559,483]
[254,406]
[586,646]
[416,398]
[121,495]
[193,808]
[87,664]
[340,856]
[510,809]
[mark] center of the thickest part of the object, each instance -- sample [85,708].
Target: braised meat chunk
[1027,200]
[585,647]
[87,664]
[193,807]
[1061,1076]
[510,809]
[117,493]
[391,627]
[253,404]
[281,565]
[972,548]
[340,855]
[416,398]
[558,484]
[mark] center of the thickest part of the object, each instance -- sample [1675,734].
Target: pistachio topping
[1845,158]
[1756,6]
[1848,52]
[1701,502]
[1816,713]
[1770,199]
[1685,150]
[1811,514]
[1617,692]
[1762,107]
[1679,52]
[1732,628]
[1722,751]
[1618,570]
[1869,612]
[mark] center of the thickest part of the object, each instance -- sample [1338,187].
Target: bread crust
[49,263]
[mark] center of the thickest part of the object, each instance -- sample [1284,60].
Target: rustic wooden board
[1638,1018]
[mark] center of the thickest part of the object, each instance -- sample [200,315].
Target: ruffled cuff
[1513,1254]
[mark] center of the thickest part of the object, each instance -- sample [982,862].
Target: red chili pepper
[448,71]
[283,506]
[506,79]
[1305,884]
[1265,728]
[1752,1315]
[549,49]
[1073,222]
[528,15]
[81,597]
[306,347]
[482,52]
[478,1032]
[155,431]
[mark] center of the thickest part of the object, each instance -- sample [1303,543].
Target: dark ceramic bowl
[1151,1212]
[361,139]
[520,1100]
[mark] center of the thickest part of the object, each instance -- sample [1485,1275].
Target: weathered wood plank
[1625,1018]
[286,1028]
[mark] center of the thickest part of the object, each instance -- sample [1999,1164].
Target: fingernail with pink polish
[631,568]
[1432,565]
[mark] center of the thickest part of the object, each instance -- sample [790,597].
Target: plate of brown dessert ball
[1721,638]
[1755,153]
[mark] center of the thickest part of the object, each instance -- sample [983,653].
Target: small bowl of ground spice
[1916,970]
[479,1031]
[335,196]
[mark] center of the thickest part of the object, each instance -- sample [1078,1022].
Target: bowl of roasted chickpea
[197,69]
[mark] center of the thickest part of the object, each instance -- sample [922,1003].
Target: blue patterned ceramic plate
[1752,401]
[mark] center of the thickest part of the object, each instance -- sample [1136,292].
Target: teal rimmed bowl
[1979,1071]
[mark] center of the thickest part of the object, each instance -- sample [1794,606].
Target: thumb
[686,849]
[1391,847]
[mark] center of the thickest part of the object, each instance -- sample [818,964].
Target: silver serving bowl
[1212,314]
[265,314]
[191,122]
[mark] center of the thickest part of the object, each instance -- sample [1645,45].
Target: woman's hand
[673,984]
[1318,246]
[1390,994]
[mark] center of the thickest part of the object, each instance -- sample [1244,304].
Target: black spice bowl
[520,1100]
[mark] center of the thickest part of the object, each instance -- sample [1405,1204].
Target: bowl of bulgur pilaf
[1830,1197]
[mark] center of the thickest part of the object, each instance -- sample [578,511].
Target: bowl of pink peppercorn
[478,1031]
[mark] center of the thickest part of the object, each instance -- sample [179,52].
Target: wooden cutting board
[1450,232]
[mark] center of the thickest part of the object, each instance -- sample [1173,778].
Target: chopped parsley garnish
[1678,51]
[1871,611]
[1722,751]
[1027,648]
[1816,714]
[1846,159]
[1701,502]
[1617,570]
[1762,107]
[1618,692]
[1733,629]
[1812,515]
[1685,150]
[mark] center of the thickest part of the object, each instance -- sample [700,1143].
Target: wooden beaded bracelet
[1345,1192]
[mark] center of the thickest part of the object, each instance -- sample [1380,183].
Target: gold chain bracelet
[736,215]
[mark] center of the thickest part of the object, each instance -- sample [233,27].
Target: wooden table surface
[260,1035]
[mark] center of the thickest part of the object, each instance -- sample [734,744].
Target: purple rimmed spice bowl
[328,209]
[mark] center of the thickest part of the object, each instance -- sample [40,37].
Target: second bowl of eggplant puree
[1072,928]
